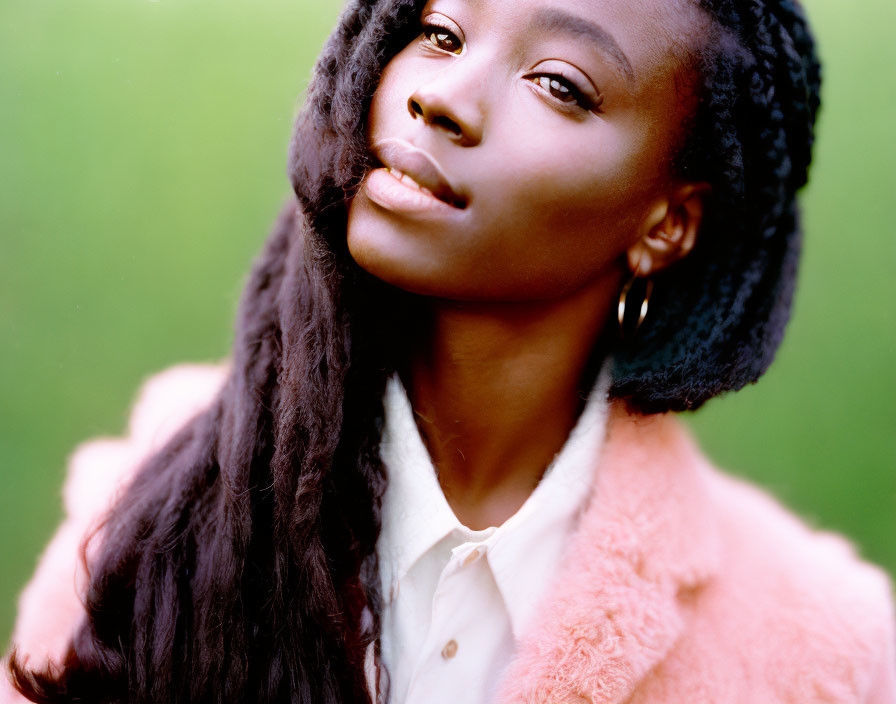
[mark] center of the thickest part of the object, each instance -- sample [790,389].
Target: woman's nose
[450,103]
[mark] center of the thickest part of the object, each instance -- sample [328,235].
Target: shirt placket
[443,669]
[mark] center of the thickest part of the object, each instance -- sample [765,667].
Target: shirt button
[450,649]
[472,557]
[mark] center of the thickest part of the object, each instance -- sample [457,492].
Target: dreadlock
[241,564]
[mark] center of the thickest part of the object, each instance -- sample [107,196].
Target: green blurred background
[142,161]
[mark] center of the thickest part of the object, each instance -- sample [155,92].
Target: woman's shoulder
[802,593]
[764,532]
[51,604]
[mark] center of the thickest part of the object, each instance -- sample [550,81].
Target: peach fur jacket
[680,585]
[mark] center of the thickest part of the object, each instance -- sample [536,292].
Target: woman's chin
[402,275]
[393,255]
[382,259]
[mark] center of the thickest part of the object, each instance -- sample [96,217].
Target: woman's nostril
[434,116]
[447,124]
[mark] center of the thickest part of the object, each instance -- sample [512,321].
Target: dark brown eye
[560,89]
[442,39]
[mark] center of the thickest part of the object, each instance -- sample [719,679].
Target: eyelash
[554,81]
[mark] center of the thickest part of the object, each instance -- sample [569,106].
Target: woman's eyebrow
[554,19]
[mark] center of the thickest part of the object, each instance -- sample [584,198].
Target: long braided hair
[240,564]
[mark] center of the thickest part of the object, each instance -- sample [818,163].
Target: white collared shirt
[457,600]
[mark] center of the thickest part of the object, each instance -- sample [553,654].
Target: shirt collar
[416,515]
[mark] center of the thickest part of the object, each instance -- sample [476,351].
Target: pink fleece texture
[681,584]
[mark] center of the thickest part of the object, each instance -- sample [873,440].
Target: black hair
[721,312]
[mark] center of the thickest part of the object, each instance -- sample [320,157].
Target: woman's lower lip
[388,192]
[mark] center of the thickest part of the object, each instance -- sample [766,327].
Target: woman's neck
[495,392]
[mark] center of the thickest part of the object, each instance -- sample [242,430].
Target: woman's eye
[562,90]
[442,39]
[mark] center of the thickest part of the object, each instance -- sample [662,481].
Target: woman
[506,207]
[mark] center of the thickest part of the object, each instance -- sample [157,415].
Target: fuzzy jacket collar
[617,605]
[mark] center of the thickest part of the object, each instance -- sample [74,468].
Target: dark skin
[557,131]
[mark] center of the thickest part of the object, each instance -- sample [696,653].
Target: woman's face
[544,128]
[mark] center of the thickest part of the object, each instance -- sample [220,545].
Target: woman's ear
[671,230]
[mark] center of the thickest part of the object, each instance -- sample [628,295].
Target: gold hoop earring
[620,310]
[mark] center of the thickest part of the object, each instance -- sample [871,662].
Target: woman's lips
[393,190]
[424,170]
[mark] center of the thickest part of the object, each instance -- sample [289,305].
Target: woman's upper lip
[421,166]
